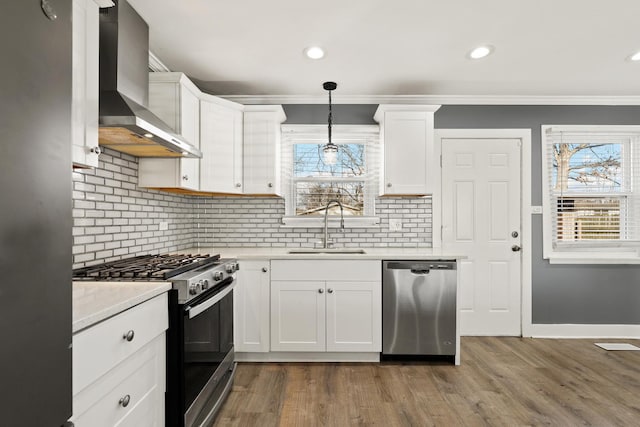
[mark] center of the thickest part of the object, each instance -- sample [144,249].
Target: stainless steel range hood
[126,125]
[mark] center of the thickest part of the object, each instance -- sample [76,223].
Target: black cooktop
[145,267]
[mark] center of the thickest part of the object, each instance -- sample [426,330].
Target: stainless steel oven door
[208,354]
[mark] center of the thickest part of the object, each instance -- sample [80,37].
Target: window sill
[318,222]
[631,257]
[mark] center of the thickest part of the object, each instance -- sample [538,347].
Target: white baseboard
[584,331]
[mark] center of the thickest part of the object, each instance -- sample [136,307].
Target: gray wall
[583,294]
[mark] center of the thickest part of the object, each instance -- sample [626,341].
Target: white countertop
[248,253]
[97,301]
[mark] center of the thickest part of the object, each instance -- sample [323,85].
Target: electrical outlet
[164,225]
[395,224]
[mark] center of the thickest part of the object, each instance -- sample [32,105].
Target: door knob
[516,248]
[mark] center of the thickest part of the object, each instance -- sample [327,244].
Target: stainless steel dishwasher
[418,307]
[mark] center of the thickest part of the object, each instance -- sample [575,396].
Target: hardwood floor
[501,382]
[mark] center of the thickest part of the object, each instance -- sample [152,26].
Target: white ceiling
[400,47]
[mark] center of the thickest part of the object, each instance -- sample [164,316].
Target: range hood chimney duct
[126,124]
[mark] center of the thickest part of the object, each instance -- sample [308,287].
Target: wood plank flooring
[501,382]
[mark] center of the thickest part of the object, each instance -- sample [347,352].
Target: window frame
[370,134]
[591,251]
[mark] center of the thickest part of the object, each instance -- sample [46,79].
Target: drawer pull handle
[129,335]
[124,401]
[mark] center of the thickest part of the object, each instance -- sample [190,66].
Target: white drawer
[98,349]
[141,377]
[333,269]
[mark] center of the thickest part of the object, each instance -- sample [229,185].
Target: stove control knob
[217,275]
[230,268]
[205,284]
[195,288]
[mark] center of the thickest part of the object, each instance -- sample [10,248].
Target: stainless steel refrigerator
[35,213]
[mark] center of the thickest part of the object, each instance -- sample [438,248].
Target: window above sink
[309,183]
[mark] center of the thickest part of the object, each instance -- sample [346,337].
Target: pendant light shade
[330,150]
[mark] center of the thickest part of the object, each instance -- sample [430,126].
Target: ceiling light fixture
[481,51]
[314,52]
[330,150]
[635,57]
[148,135]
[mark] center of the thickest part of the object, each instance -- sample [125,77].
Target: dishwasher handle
[420,267]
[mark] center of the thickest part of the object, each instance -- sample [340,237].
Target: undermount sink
[327,251]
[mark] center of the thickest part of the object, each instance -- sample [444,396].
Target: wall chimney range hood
[126,125]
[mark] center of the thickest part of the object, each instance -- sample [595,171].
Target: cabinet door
[190,130]
[406,137]
[297,316]
[221,146]
[251,307]
[261,162]
[84,105]
[173,101]
[354,320]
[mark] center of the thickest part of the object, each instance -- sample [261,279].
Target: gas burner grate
[145,267]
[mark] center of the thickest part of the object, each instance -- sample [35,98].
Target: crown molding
[436,99]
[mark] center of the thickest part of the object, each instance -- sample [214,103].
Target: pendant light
[330,150]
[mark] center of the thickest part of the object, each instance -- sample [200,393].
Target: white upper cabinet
[221,145]
[85,84]
[261,167]
[406,136]
[175,100]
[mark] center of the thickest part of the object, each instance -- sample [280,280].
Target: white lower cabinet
[326,306]
[119,369]
[251,307]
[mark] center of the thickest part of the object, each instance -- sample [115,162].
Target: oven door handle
[194,310]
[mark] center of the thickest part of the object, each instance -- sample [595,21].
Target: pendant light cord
[330,117]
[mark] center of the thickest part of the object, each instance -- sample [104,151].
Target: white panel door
[481,219]
[354,311]
[298,316]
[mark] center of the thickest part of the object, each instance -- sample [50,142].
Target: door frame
[524,135]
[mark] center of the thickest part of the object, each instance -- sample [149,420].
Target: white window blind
[310,183]
[591,178]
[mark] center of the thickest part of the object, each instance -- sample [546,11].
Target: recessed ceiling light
[635,57]
[148,135]
[314,52]
[481,51]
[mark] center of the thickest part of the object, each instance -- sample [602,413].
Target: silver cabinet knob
[516,248]
[388,184]
[270,185]
[330,290]
[321,291]
[129,335]
[185,178]
[96,150]
[264,269]
[514,234]
[238,185]
[124,401]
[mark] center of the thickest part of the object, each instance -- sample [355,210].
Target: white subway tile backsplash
[114,219]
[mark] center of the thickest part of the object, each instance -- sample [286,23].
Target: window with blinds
[312,182]
[590,185]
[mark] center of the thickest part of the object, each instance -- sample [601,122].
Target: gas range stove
[190,275]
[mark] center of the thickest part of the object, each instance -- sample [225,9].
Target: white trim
[334,223]
[438,99]
[525,204]
[156,65]
[584,331]
[276,356]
